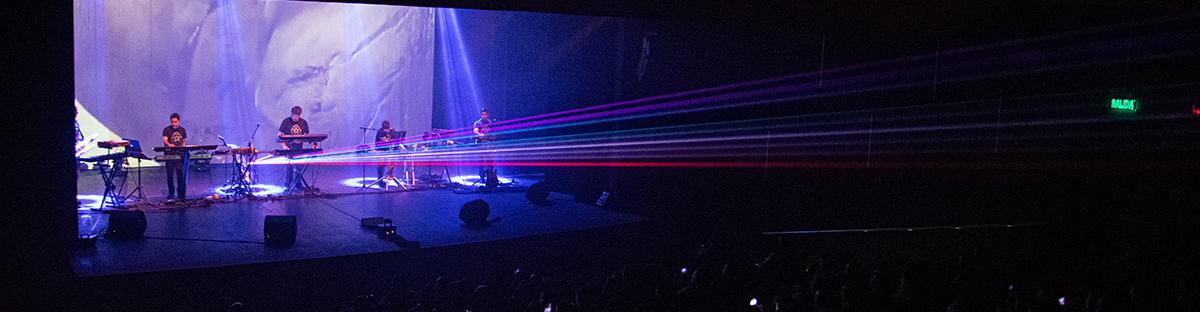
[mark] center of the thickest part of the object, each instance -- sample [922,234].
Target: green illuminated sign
[1125,104]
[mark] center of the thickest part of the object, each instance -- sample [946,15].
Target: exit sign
[1125,104]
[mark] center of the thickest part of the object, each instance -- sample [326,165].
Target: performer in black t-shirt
[175,135]
[385,133]
[293,125]
[481,126]
[483,136]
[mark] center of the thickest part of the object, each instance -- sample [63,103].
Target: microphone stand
[242,185]
[250,159]
[364,166]
[251,144]
[364,137]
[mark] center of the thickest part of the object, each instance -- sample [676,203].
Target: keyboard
[302,138]
[292,152]
[168,149]
[178,157]
[104,157]
[110,144]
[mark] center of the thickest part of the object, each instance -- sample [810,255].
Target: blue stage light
[89,201]
[256,189]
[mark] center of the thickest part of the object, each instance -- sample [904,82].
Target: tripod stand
[389,142]
[390,169]
[239,183]
[135,150]
[136,192]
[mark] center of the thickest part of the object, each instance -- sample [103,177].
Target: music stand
[135,150]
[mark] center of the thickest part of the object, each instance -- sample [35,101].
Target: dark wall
[528,64]
[758,200]
[1023,64]
[39,178]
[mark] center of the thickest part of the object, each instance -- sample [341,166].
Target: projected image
[228,65]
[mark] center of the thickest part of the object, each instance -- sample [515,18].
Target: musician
[293,125]
[482,132]
[78,138]
[78,134]
[385,133]
[481,126]
[175,136]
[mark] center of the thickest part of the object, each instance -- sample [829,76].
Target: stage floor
[223,233]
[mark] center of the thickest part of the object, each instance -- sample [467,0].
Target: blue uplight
[89,201]
[358,182]
[256,189]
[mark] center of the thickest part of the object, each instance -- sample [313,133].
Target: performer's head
[175,120]
[386,125]
[296,113]
[483,114]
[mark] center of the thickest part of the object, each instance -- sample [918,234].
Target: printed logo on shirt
[176,138]
[296,129]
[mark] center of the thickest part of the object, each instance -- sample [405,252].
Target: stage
[221,232]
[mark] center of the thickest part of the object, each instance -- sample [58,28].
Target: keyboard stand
[110,189]
[298,182]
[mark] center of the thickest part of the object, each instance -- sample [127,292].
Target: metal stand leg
[239,182]
[136,192]
[388,177]
[108,174]
[298,182]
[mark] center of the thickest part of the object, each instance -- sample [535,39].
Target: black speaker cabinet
[279,230]
[538,193]
[125,225]
[475,213]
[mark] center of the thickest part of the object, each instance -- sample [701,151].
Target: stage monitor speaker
[475,213]
[125,225]
[537,193]
[279,230]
